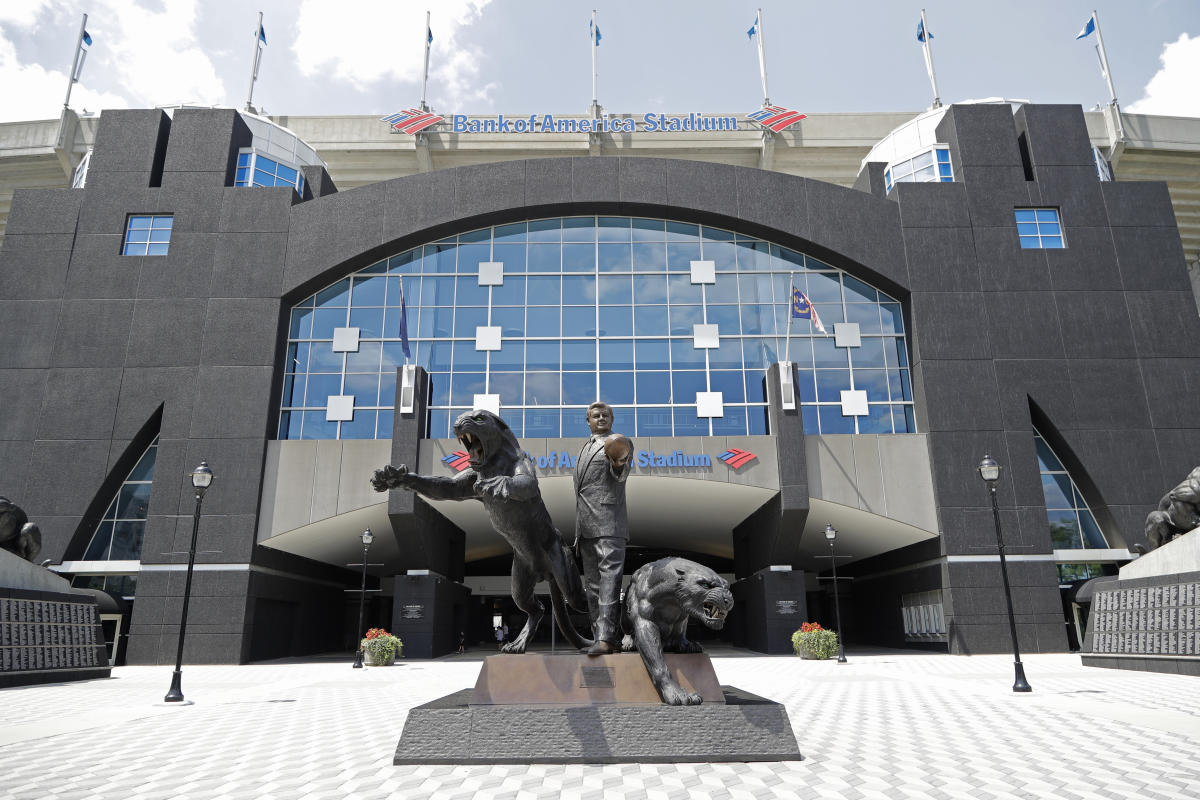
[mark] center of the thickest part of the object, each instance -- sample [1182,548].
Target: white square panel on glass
[710,404]
[706,336]
[345,340]
[491,273]
[704,272]
[488,402]
[854,403]
[847,334]
[487,338]
[339,408]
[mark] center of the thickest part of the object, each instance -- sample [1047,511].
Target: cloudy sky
[532,56]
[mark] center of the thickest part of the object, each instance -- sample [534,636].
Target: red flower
[809,627]
[376,633]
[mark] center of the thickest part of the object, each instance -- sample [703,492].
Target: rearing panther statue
[17,534]
[502,477]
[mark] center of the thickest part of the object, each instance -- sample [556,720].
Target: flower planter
[371,661]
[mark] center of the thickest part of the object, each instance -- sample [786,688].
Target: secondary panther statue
[17,534]
[1177,513]
[661,598]
[502,477]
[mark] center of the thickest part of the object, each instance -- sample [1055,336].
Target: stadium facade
[212,285]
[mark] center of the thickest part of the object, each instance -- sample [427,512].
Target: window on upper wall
[1072,524]
[931,166]
[255,169]
[1039,228]
[147,235]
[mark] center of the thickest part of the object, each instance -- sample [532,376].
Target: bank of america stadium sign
[413,121]
[645,459]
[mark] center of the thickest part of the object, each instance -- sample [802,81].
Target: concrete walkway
[886,725]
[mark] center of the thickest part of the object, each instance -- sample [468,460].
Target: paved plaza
[889,724]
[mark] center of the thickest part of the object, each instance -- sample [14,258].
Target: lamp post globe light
[831,535]
[202,478]
[367,538]
[989,470]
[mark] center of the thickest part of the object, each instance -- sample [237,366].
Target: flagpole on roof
[259,41]
[925,37]
[762,60]
[425,75]
[76,64]
[1112,92]
[594,35]
[1116,129]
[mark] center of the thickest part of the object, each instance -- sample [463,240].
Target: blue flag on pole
[86,41]
[803,308]
[429,35]
[594,33]
[921,32]
[753,29]
[1088,29]
[262,34]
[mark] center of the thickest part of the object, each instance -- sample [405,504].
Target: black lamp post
[989,470]
[202,478]
[367,538]
[831,534]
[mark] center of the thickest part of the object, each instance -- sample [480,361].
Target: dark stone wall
[428,611]
[1097,338]
[768,608]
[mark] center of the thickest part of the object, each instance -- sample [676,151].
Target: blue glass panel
[317,427]
[1027,229]
[439,388]
[369,291]
[894,350]
[757,422]
[870,354]
[293,390]
[437,291]
[289,425]
[891,318]
[440,257]
[685,356]
[831,383]
[513,232]
[158,249]
[758,319]
[866,315]
[875,383]
[653,421]
[800,352]
[469,256]
[1025,215]
[579,387]
[543,321]
[301,325]
[541,389]
[545,230]
[682,231]
[405,263]
[579,321]
[725,290]
[727,356]
[616,321]
[509,357]
[543,424]
[296,358]
[579,290]
[715,235]
[616,387]
[726,318]
[369,322]
[806,383]
[262,178]
[900,384]
[685,384]
[469,292]
[616,354]
[511,321]
[680,255]
[1030,243]
[857,291]
[832,420]
[758,353]
[543,355]
[511,388]
[823,287]
[1048,242]
[545,290]
[139,222]
[652,354]
[756,390]
[439,356]
[650,289]
[623,420]
[476,236]
[365,360]
[160,235]
[730,384]
[437,322]
[753,255]
[612,229]
[322,358]
[387,387]
[140,236]
[877,420]
[133,500]
[826,354]
[579,229]
[1047,461]
[722,254]
[467,358]
[653,387]
[683,318]
[1064,530]
[1047,215]
[732,424]
[1092,537]
[510,293]
[945,171]
[512,256]
[579,355]
[649,256]
[615,289]
[1048,229]
[943,155]
[1057,489]
[320,387]
[98,547]
[688,424]
[287,174]
[756,289]
[463,388]
[650,321]
[439,424]
[383,428]
[904,420]
[365,389]
[466,320]
[648,230]
[682,290]
[243,159]
[545,257]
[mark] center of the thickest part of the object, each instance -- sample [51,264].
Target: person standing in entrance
[602,525]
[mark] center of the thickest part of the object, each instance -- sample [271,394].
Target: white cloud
[21,13]
[1172,91]
[330,42]
[33,92]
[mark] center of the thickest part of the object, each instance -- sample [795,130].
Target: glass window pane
[875,383]
[649,255]
[616,321]
[323,358]
[464,386]
[683,318]
[615,289]
[682,231]
[653,421]
[544,290]
[1047,215]
[684,355]
[97,549]
[688,424]
[616,387]
[1048,242]
[511,388]
[579,320]
[878,420]
[579,355]
[366,359]
[616,354]
[509,357]
[513,232]
[369,322]
[730,384]
[543,355]
[510,293]
[511,321]
[1064,530]
[1092,537]
[545,230]
[652,354]
[1025,215]
[317,427]
[650,321]
[682,290]
[831,383]
[579,387]
[469,292]
[469,256]
[613,229]
[541,389]
[466,320]
[832,420]
[579,229]
[680,255]
[545,257]
[648,230]
[579,290]
[685,384]
[653,387]
[827,354]
[869,354]
[319,388]
[543,321]
[362,426]
[543,424]
[823,287]
[1057,489]
[650,289]
[466,357]
[733,423]
[156,249]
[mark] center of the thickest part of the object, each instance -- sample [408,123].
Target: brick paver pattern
[886,725]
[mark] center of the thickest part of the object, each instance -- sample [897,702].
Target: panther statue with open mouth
[662,597]
[502,477]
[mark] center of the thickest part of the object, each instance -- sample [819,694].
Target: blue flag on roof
[86,41]
[262,34]
[429,35]
[802,308]
[921,32]
[753,29]
[1088,29]
[594,33]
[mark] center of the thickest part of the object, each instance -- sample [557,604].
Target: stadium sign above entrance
[414,120]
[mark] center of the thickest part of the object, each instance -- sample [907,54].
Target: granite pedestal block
[580,710]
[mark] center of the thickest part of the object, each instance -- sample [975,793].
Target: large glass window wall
[596,307]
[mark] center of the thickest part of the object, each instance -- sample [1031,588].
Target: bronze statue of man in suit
[602,525]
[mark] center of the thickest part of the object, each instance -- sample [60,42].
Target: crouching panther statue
[502,477]
[1177,513]
[661,598]
[17,534]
